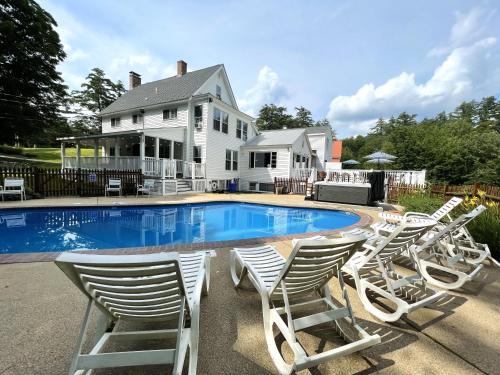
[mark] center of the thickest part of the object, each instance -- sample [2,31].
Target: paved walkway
[41,312]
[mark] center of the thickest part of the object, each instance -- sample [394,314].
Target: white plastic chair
[297,283]
[146,188]
[145,288]
[13,186]
[114,185]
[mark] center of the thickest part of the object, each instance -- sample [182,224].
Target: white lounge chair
[301,282]
[374,274]
[431,253]
[145,288]
[114,185]
[146,188]
[438,215]
[462,242]
[13,186]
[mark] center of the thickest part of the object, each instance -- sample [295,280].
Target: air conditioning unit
[198,125]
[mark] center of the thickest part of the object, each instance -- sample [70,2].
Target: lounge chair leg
[81,337]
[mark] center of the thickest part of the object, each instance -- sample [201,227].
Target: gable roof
[282,137]
[162,91]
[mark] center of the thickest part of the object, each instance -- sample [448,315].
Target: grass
[45,157]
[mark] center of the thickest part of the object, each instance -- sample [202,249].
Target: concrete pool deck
[41,314]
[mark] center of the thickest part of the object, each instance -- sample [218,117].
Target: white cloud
[468,27]
[469,71]
[113,53]
[266,90]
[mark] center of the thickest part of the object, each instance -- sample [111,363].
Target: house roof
[162,91]
[318,129]
[276,137]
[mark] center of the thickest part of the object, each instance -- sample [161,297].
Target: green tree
[303,118]
[272,117]
[97,93]
[31,89]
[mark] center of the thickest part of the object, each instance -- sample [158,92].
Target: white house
[188,133]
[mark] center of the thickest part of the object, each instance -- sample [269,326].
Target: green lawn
[45,157]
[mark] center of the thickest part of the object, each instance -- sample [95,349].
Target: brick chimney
[134,80]
[181,68]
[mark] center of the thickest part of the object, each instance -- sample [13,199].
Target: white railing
[104,162]
[301,173]
[199,186]
[164,168]
[413,178]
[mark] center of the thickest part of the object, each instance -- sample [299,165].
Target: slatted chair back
[455,225]
[398,241]
[149,184]
[130,287]
[312,264]
[446,208]
[114,183]
[13,183]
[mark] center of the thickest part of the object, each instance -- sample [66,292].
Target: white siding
[300,147]
[267,175]
[317,142]
[218,142]
[153,119]
[209,87]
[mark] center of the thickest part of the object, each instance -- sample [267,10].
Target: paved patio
[41,313]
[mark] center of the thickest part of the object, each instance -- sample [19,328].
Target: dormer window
[218,92]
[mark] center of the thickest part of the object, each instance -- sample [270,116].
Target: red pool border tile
[364,221]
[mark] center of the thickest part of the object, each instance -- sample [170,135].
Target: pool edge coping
[34,257]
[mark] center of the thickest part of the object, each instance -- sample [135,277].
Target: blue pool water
[79,228]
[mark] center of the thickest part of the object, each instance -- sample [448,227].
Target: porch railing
[165,168]
[121,163]
[301,173]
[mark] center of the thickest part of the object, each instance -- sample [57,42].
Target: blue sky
[349,61]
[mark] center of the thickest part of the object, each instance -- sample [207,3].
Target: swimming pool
[89,228]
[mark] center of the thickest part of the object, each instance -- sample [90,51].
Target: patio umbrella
[380,155]
[350,162]
[380,161]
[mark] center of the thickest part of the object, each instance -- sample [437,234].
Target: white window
[198,115]
[245,131]
[235,160]
[137,119]
[115,121]
[241,130]
[197,154]
[218,92]
[221,120]
[225,122]
[263,159]
[217,118]
[228,160]
[238,128]
[169,114]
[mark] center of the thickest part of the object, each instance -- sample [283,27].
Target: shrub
[486,227]
[420,202]
[4,149]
